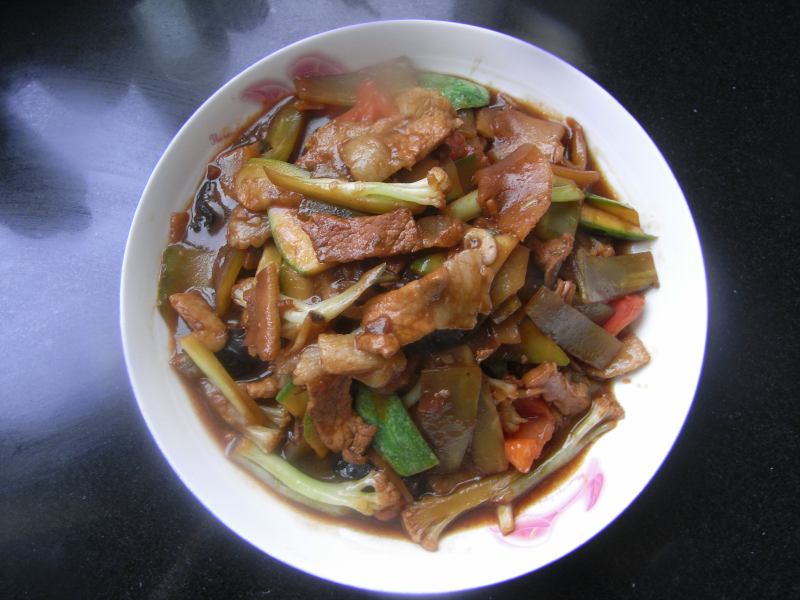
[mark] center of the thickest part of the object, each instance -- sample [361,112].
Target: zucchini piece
[604,222]
[397,440]
[284,129]
[461,93]
[293,243]
[309,205]
[615,207]
[293,398]
[565,190]
[539,348]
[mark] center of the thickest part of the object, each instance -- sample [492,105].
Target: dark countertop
[90,95]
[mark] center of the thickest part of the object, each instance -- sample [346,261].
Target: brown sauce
[214,239]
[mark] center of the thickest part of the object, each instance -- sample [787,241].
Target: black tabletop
[90,95]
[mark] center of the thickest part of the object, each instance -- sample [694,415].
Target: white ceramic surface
[656,401]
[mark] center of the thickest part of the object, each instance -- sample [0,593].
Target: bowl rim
[137,222]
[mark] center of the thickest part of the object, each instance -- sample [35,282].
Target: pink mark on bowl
[533,528]
[312,65]
[266,92]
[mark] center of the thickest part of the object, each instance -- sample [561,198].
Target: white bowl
[618,467]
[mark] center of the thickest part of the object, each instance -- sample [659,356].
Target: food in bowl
[404,295]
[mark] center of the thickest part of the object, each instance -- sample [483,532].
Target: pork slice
[451,297]
[512,128]
[550,255]
[247,229]
[201,318]
[340,239]
[515,191]
[373,152]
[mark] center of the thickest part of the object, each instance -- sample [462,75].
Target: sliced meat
[253,190]
[330,407]
[570,398]
[340,356]
[550,255]
[246,228]
[512,128]
[222,406]
[373,152]
[578,154]
[539,375]
[594,245]
[263,323]
[309,366]
[266,387]
[516,190]
[439,231]
[201,318]
[449,298]
[339,239]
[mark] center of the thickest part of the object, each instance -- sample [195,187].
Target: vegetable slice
[572,330]
[560,218]
[397,440]
[213,369]
[375,197]
[312,437]
[426,519]
[294,398]
[427,264]
[603,278]
[447,410]
[511,276]
[283,132]
[460,92]
[183,267]
[626,310]
[615,207]
[465,208]
[525,445]
[598,220]
[293,242]
[368,495]
[487,448]
[539,348]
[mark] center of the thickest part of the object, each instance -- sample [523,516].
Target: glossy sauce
[221,170]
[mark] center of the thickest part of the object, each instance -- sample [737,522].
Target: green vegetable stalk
[426,519]
[465,208]
[374,197]
[332,307]
[368,495]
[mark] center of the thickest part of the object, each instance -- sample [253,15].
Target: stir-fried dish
[404,295]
